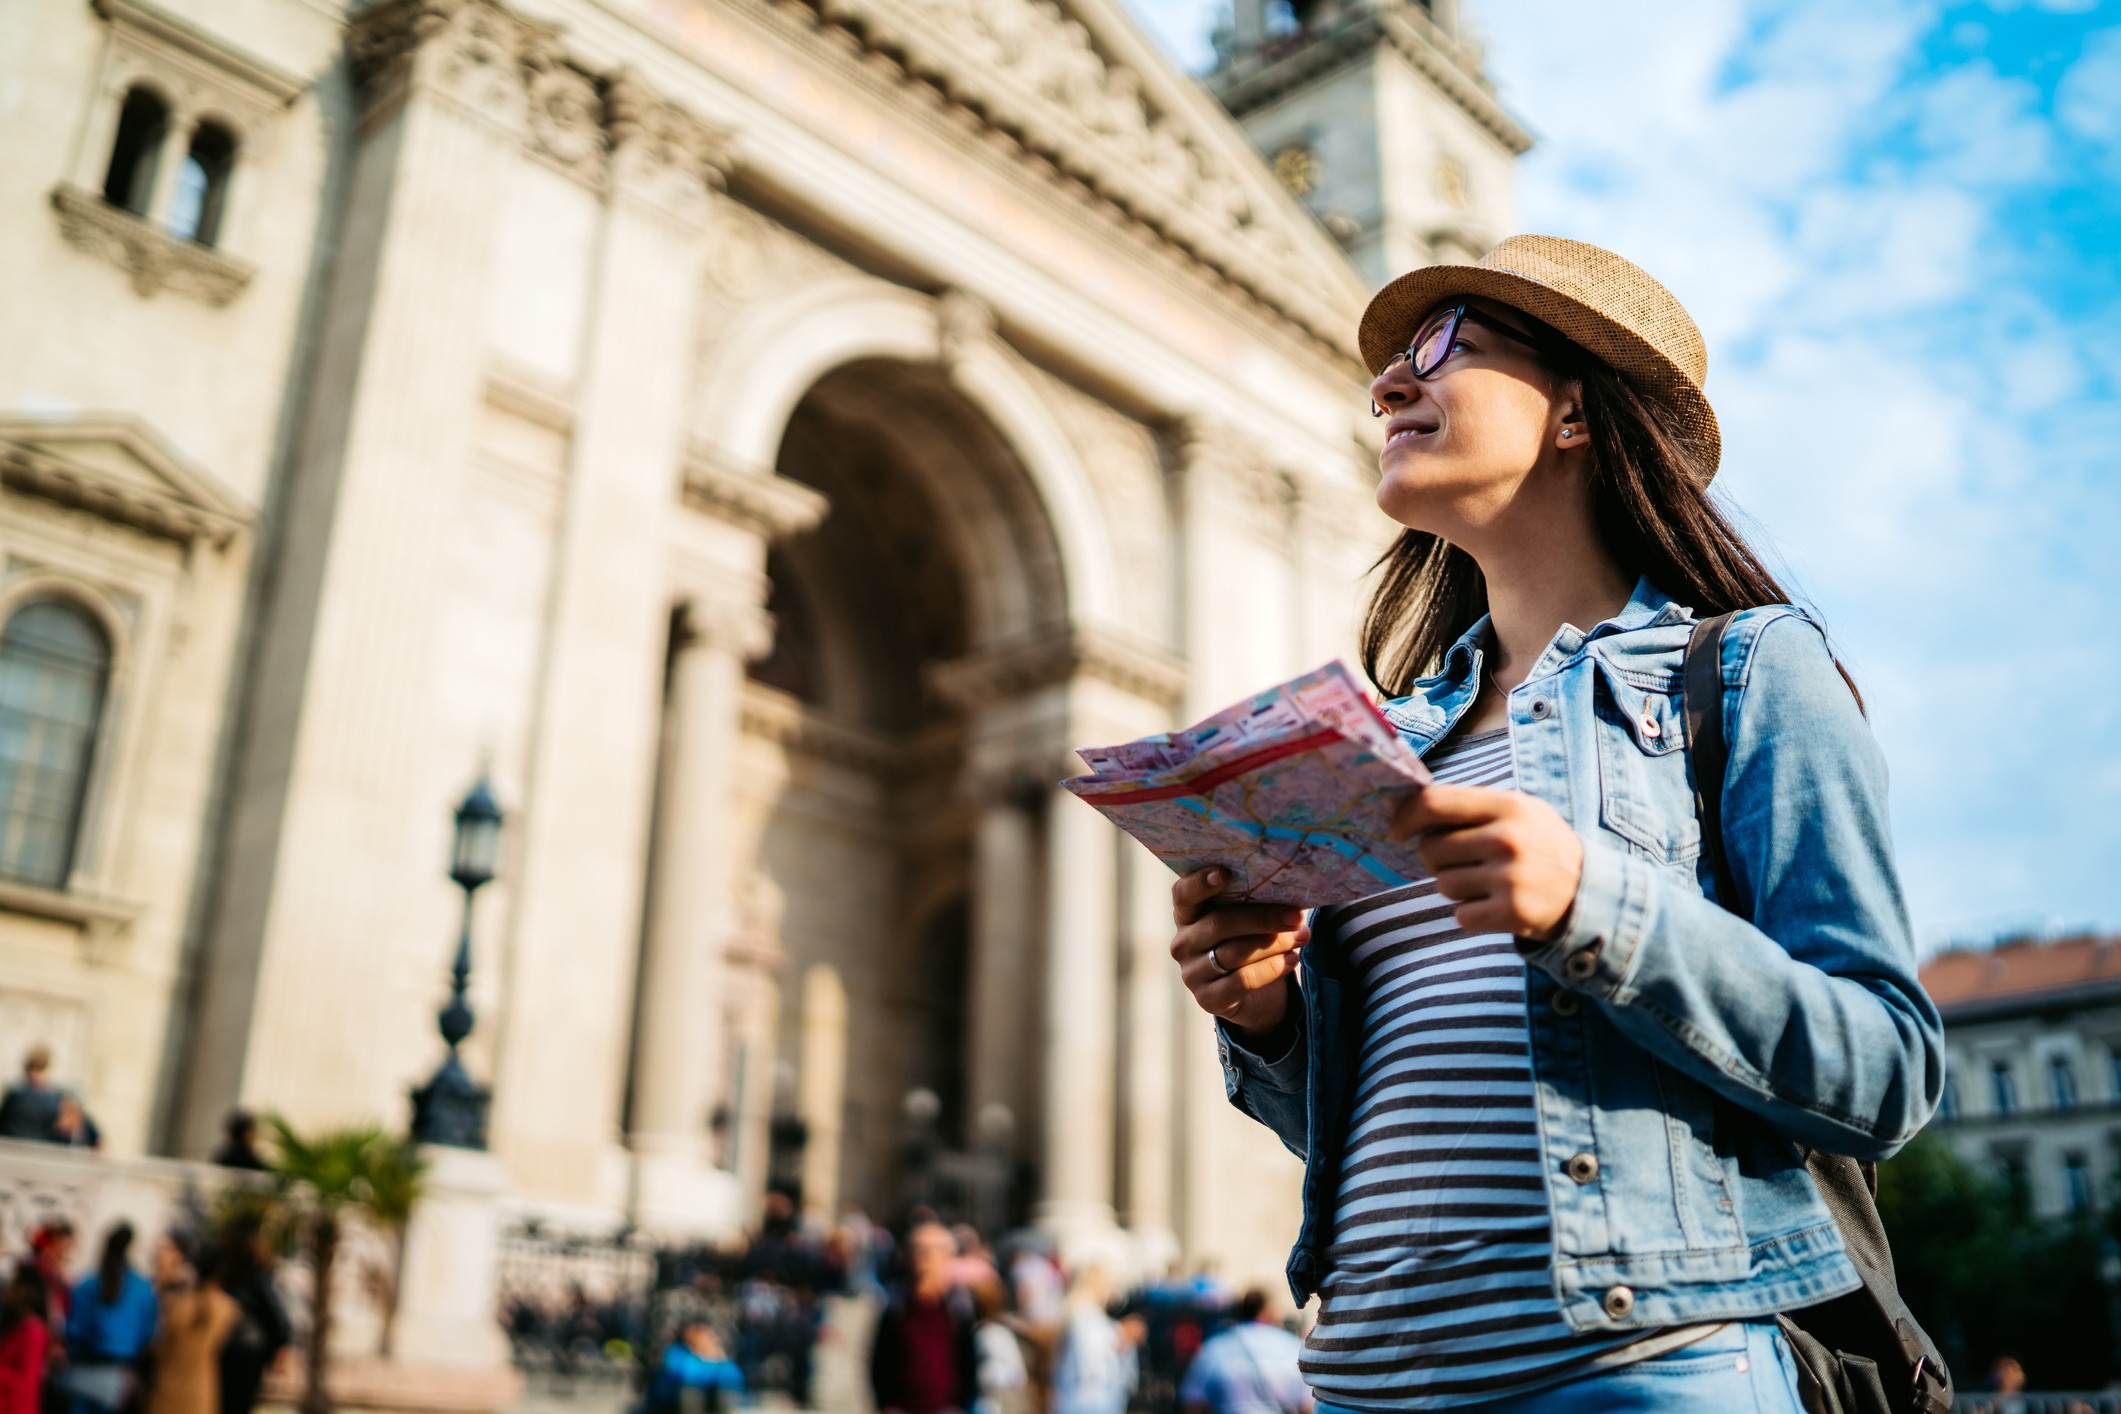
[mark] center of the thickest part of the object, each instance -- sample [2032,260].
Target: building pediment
[118,468]
[1078,85]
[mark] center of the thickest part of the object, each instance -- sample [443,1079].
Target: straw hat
[1602,302]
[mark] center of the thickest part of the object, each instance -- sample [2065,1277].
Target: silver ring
[1217,963]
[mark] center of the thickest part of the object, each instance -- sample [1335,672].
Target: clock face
[1451,183]
[1298,168]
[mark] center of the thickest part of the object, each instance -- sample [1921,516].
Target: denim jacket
[1681,1054]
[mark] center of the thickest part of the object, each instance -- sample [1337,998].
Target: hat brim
[1396,311]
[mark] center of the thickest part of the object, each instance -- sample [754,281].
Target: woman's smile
[1408,426]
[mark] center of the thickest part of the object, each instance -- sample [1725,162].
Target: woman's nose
[1391,389]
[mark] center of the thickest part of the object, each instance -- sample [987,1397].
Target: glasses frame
[1457,316]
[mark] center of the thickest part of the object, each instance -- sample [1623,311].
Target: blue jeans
[1744,1368]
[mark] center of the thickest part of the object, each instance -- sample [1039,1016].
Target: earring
[1375,410]
[1568,432]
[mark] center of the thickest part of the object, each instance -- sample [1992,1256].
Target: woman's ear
[1573,431]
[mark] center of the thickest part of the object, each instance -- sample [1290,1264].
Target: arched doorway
[862,822]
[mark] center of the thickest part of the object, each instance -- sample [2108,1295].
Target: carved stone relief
[514,72]
[565,113]
[467,52]
[154,259]
[1032,71]
[661,152]
[750,256]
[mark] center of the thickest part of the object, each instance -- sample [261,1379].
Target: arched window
[202,185]
[54,670]
[142,124]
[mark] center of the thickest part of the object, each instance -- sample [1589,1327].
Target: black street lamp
[450,1108]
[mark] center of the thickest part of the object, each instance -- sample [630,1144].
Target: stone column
[821,1085]
[678,1040]
[1080,1006]
[1149,1051]
[1005,904]
[585,825]
[330,942]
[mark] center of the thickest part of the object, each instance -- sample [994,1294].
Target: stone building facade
[2033,1066]
[762,436]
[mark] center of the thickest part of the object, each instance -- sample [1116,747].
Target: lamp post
[450,1108]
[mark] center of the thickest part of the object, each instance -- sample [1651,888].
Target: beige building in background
[764,437]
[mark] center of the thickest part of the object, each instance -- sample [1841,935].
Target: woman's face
[1461,444]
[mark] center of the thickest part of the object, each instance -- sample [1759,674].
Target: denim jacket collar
[1437,703]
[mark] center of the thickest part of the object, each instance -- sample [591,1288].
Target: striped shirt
[1437,1290]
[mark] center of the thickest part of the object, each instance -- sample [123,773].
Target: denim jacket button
[1566,1004]
[1617,1303]
[1580,965]
[1541,709]
[1650,727]
[1583,1167]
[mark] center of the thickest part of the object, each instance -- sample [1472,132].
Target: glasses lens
[1433,344]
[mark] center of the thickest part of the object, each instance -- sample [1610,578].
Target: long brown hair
[1652,512]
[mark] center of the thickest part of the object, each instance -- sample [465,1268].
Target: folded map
[1290,790]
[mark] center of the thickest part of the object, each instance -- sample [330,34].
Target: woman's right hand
[1257,943]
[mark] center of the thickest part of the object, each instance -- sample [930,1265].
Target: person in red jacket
[24,1339]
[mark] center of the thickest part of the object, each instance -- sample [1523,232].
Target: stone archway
[860,797]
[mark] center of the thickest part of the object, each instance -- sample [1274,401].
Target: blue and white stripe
[1438,1291]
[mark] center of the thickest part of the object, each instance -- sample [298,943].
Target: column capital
[1058,654]
[1213,453]
[659,151]
[729,625]
[761,501]
[466,52]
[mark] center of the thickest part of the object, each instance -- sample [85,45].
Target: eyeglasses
[1438,336]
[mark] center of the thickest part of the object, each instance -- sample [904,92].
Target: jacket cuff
[1604,927]
[1282,1070]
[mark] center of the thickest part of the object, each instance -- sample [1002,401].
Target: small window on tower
[134,154]
[202,185]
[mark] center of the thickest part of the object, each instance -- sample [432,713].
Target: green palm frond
[360,1167]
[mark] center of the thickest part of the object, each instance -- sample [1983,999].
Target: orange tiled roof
[2021,968]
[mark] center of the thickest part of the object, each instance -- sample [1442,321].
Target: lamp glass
[478,840]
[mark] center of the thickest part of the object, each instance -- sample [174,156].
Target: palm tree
[324,1180]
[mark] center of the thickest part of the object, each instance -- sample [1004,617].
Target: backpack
[1863,1353]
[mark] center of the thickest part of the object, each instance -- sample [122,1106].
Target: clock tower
[1378,116]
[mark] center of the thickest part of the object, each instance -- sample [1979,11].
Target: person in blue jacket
[109,1326]
[695,1374]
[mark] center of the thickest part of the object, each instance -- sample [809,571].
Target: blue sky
[1899,226]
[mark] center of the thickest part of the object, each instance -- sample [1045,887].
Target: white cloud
[2088,101]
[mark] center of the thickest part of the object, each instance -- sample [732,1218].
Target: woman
[1552,1099]
[25,1340]
[196,1320]
[109,1324]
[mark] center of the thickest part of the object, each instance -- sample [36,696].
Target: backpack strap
[1875,1319]
[1707,748]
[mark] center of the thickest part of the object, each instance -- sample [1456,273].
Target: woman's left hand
[1507,859]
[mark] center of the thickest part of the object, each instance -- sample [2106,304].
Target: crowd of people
[193,1334]
[962,1330]
[952,1326]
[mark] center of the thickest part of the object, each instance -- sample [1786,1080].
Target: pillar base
[678,1194]
[449,1299]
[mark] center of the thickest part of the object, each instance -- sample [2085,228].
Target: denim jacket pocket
[1644,795]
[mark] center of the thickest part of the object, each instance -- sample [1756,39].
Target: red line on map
[1209,780]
